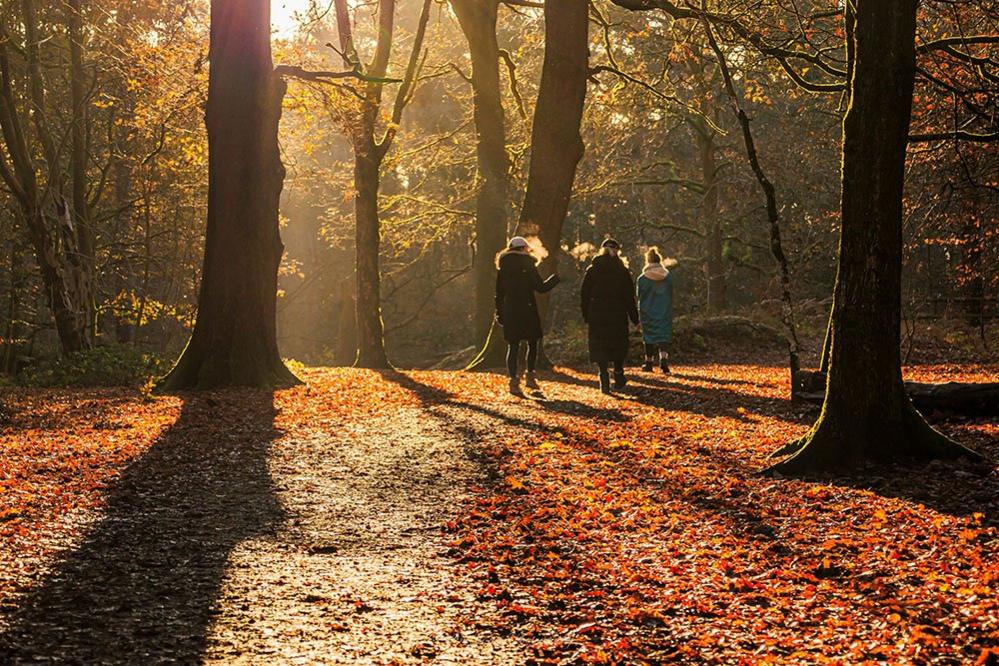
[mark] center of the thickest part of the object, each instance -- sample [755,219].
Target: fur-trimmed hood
[656,272]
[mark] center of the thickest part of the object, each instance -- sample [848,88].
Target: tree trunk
[370,329]
[714,265]
[50,229]
[478,23]
[556,146]
[556,143]
[235,336]
[867,414]
[78,163]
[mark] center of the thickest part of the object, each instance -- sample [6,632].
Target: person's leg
[604,376]
[533,347]
[651,351]
[532,364]
[664,360]
[619,378]
[512,354]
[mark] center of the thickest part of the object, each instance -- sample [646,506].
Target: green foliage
[101,366]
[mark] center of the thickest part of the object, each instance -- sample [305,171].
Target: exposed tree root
[200,372]
[838,444]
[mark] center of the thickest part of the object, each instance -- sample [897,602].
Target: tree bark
[235,336]
[49,228]
[478,23]
[370,329]
[556,147]
[867,414]
[714,264]
[556,142]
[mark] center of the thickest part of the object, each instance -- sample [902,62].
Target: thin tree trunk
[370,329]
[714,265]
[235,337]
[78,163]
[773,215]
[867,414]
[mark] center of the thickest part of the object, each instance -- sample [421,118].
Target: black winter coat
[516,308]
[608,302]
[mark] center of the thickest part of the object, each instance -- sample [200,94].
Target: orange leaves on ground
[639,528]
[58,453]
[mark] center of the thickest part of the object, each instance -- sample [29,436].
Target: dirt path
[359,571]
[252,531]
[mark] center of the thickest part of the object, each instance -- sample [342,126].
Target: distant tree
[370,150]
[234,340]
[61,238]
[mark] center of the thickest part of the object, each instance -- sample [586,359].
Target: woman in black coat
[517,309]
[608,302]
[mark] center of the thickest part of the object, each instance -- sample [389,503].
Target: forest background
[108,97]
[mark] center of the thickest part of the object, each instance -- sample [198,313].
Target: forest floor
[428,517]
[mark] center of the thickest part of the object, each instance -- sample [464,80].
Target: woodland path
[250,533]
[429,518]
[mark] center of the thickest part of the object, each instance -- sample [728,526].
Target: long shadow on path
[142,585]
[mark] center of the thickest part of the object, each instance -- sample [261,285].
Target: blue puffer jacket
[655,304]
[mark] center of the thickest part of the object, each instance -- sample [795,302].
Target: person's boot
[515,386]
[532,381]
[605,385]
[620,380]
[648,365]
[664,366]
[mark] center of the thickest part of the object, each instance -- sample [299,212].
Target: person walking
[608,303]
[517,282]
[655,308]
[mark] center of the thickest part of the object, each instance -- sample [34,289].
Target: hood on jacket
[515,255]
[656,272]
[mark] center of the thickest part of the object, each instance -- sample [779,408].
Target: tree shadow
[714,401]
[431,397]
[142,585]
[958,488]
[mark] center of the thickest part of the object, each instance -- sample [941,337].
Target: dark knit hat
[611,243]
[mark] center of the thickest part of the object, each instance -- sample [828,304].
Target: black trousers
[652,350]
[513,355]
[605,369]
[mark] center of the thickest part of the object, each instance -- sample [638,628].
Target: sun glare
[285,15]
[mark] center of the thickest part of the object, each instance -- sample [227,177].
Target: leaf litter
[427,517]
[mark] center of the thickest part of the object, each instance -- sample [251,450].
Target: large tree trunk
[235,338]
[478,23]
[556,143]
[867,414]
[370,329]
